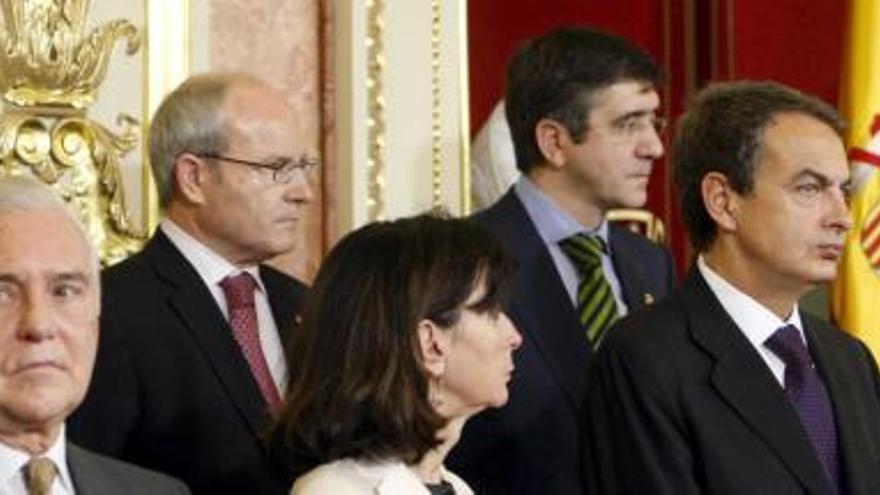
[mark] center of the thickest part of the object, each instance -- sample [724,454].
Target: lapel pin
[648,299]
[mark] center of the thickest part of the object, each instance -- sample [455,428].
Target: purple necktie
[809,396]
[239,292]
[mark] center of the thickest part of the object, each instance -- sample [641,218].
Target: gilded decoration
[375,110]
[50,71]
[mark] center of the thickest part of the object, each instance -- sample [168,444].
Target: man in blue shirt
[582,108]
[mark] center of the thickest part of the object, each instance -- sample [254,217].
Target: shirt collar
[12,461]
[754,320]
[552,222]
[211,267]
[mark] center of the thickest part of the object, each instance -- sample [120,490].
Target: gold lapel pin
[648,299]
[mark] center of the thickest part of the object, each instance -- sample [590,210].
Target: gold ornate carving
[50,71]
[375,110]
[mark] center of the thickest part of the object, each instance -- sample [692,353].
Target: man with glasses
[582,108]
[190,366]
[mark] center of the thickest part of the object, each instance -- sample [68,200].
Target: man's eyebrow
[66,276]
[823,179]
[636,114]
[809,173]
[71,276]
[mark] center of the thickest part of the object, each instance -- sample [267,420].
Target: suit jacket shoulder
[645,269]
[94,474]
[160,261]
[676,381]
[171,389]
[286,297]
[531,444]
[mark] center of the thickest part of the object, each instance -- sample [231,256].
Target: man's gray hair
[26,194]
[191,119]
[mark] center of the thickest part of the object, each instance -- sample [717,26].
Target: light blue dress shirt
[554,225]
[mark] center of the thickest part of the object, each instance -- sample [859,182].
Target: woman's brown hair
[358,388]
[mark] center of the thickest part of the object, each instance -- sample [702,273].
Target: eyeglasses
[283,169]
[630,127]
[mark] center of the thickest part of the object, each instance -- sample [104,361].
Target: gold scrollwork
[50,71]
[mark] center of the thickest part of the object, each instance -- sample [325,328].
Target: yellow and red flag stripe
[855,293]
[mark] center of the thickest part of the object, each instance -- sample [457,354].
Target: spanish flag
[855,293]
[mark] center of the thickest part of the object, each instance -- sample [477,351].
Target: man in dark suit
[726,387]
[191,363]
[582,111]
[49,306]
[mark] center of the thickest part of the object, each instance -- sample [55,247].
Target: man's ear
[720,200]
[190,173]
[552,138]
[434,347]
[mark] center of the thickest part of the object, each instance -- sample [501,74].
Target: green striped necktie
[596,306]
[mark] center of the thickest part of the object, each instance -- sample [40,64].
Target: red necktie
[239,292]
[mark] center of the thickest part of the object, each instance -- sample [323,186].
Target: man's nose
[300,188]
[841,217]
[650,144]
[37,320]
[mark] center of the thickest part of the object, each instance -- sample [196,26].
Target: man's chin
[633,202]
[279,248]
[41,410]
[824,273]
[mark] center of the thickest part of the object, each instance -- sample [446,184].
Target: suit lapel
[745,382]
[636,292]
[284,299]
[837,371]
[87,473]
[85,479]
[541,302]
[199,314]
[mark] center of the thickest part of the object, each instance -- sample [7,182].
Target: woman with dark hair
[402,341]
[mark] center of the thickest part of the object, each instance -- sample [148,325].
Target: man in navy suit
[582,109]
[191,364]
[49,306]
[726,387]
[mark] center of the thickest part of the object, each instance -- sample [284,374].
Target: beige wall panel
[278,40]
[413,52]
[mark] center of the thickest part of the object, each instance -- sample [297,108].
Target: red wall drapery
[695,42]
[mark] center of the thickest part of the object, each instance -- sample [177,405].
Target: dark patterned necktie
[239,292]
[807,392]
[597,309]
[39,473]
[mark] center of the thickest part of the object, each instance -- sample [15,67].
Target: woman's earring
[434,395]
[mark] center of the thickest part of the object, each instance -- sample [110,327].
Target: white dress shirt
[754,320]
[352,477]
[213,268]
[12,464]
